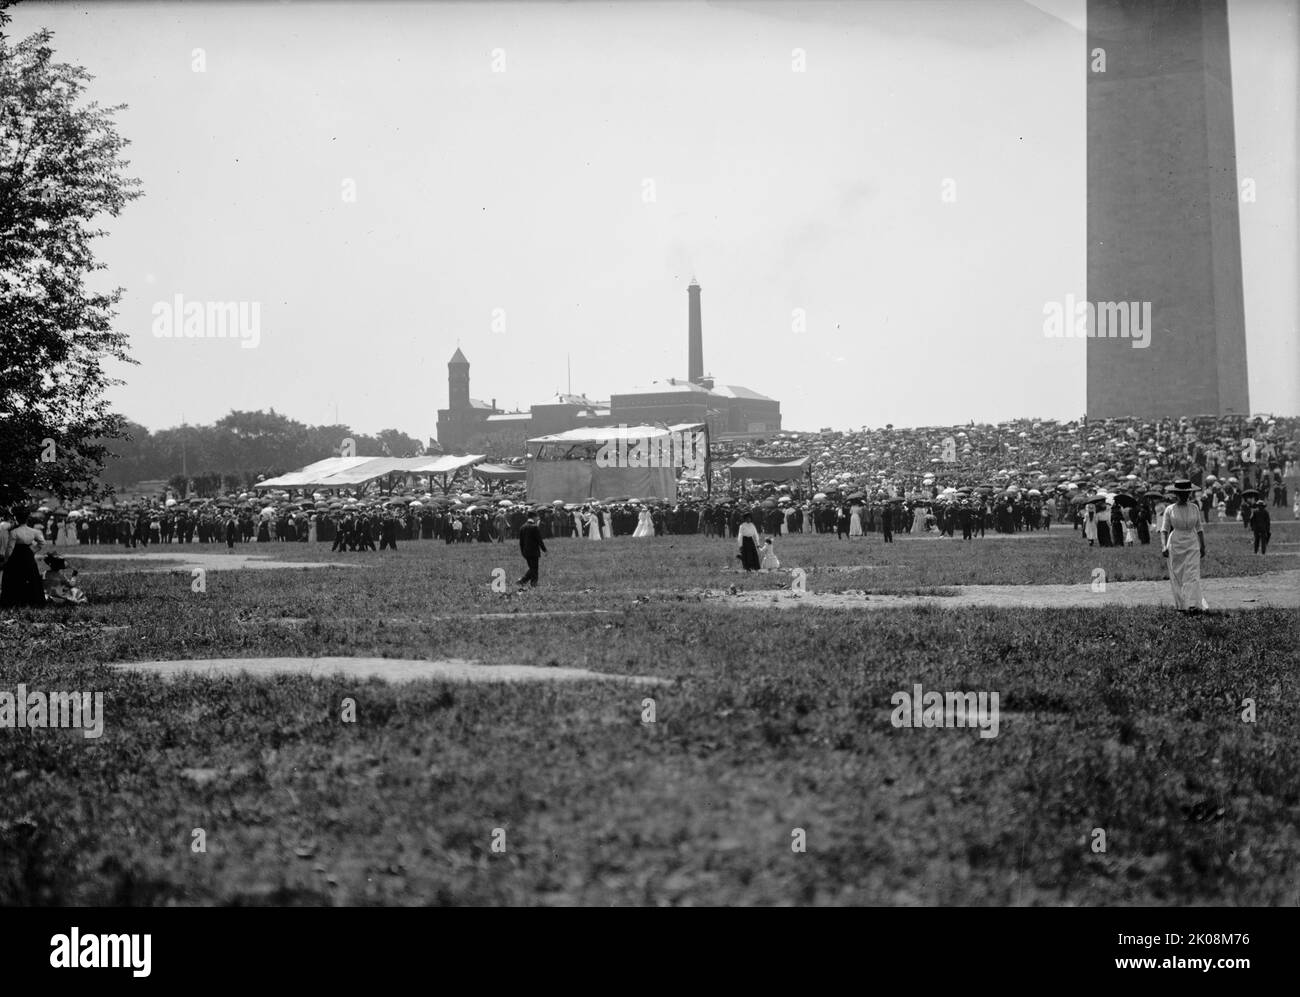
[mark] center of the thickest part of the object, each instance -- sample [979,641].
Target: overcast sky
[617,151]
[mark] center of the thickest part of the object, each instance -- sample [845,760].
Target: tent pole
[708,463]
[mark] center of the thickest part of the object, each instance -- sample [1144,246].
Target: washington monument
[1162,209]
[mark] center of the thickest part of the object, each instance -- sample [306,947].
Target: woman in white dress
[918,519]
[855,520]
[644,526]
[1090,524]
[768,560]
[593,525]
[607,527]
[1182,540]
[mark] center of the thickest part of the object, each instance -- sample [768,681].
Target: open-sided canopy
[348,472]
[598,435]
[769,468]
[500,472]
[638,461]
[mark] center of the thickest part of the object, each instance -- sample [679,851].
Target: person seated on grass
[61,586]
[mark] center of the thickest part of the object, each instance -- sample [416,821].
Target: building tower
[1162,209]
[695,363]
[457,382]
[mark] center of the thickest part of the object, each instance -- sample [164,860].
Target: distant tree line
[237,450]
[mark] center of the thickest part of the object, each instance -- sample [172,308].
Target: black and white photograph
[662,453]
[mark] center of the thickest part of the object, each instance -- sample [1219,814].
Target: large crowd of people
[1111,481]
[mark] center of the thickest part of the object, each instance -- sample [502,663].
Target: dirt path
[1278,590]
[182,560]
[390,669]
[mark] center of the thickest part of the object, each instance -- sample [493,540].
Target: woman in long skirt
[20,581]
[918,519]
[644,527]
[1103,528]
[1090,524]
[1182,539]
[855,521]
[748,537]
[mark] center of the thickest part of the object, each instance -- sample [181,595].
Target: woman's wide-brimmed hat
[1182,485]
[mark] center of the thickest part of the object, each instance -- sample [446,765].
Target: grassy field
[1124,720]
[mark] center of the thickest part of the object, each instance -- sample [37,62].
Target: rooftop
[740,391]
[667,386]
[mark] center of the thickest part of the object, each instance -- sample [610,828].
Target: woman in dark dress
[20,580]
[1143,516]
[1103,527]
[1117,525]
[748,537]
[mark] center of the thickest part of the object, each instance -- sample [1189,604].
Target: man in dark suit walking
[532,547]
[1261,525]
[388,533]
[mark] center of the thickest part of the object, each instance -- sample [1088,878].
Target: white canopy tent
[353,472]
[565,465]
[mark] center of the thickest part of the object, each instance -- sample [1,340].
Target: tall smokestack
[695,368]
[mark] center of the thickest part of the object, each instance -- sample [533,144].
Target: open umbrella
[1123,498]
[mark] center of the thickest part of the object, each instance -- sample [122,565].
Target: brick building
[471,425]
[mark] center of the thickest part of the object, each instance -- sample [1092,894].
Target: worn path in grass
[389,669]
[179,559]
[1278,590]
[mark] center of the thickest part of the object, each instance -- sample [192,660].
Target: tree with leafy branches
[61,173]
